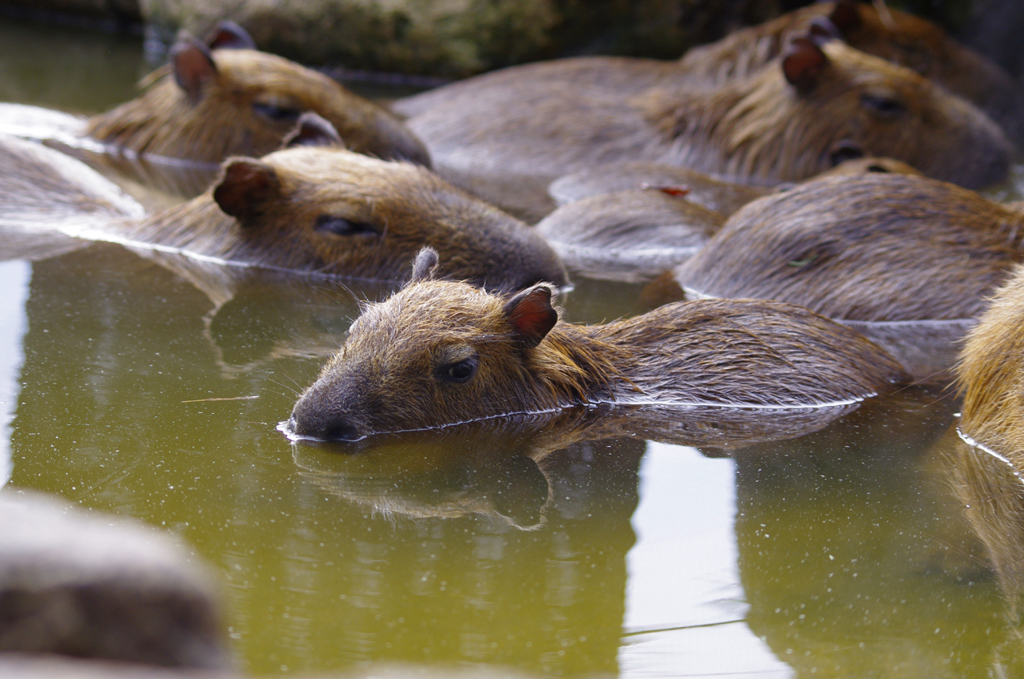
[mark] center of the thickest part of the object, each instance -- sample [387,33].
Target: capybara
[629,235]
[227,99]
[329,211]
[870,247]
[438,353]
[785,122]
[991,374]
[890,34]
[714,194]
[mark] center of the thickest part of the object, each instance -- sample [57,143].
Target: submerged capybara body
[784,123]
[209,104]
[438,353]
[889,34]
[991,374]
[333,212]
[873,247]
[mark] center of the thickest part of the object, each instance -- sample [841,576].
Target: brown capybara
[991,374]
[438,353]
[784,123]
[631,235]
[227,99]
[714,194]
[322,210]
[871,247]
[890,34]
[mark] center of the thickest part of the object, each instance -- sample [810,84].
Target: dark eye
[877,168]
[845,150]
[339,226]
[459,372]
[886,107]
[277,113]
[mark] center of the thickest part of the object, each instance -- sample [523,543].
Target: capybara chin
[329,211]
[871,247]
[208,104]
[785,122]
[438,353]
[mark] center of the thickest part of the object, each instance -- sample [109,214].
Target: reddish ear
[531,314]
[668,190]
[845,17]
[246,185]
[803,63]
[230,36]
[193,66]
[312,130]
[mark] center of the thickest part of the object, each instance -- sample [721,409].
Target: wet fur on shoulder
[439,353]
[874,247]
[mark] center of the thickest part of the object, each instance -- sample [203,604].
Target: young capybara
[872,247]
[226,98]
[886,33]
[785,122]
[323,210]
[438,353]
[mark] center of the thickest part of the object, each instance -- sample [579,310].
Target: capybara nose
[309,423]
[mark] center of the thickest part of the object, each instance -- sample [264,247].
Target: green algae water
[843,552]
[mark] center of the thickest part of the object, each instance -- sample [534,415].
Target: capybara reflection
[786,122]
[330,211]
[887,33]
[227,99]
[871,247]
[438,353]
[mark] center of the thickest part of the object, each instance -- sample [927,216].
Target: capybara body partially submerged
[784,123]
[211,103]
[315,209]
[333,212]
[991,375]
[438,353]
[889,34]
[874,247]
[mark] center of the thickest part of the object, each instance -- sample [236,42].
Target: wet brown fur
[386,376]
[164,121]
[898,37]
[760,129]
[875,247]
[402,206]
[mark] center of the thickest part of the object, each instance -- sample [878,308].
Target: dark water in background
[843,553]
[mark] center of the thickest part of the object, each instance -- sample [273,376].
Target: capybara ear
[246,185]
[531,314]
[845,17]
[312,130]
[803,63]
[676,190]
[230,36]
[425,265]
[193,65]
[522,492]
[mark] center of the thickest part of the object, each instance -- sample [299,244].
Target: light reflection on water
[14,277]
[841,553]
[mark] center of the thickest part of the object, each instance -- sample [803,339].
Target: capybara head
[825,98]
[453,353]
[213,102]
[330,211]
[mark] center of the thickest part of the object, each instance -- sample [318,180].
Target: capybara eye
[339,226]
[882,105]
[277,113]
[459,372]
[877,168]
[844,150]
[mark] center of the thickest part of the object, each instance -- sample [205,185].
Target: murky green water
[843,553]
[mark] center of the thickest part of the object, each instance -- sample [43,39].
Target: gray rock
[98,586]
